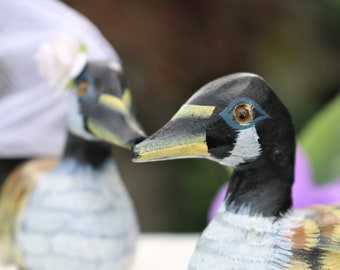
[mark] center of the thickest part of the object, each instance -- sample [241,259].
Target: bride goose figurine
[75,213]
[238,121]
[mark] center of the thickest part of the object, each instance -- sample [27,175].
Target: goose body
[304,239]
[78,217]
[238,121]
[75,213]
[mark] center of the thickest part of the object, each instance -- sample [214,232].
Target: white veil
[32,114]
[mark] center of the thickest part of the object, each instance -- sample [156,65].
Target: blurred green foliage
[199,181]
[321,141]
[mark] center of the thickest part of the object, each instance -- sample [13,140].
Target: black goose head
[236,120]
[101,106]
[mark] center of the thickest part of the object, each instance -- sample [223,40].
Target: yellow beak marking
[190,146]
[113,103]
[103,133]
[197,111]
[179,145]
[127,98]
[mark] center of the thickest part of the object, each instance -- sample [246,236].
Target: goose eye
[243,113]
[82,87]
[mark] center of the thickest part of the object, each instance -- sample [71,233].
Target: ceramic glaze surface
[78,218]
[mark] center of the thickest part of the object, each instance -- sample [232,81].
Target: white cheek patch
[75,121]
[246,148]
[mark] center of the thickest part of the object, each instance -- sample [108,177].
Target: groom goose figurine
[76,213]
[238,121]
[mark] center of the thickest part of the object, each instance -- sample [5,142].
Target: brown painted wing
[13,197]
[317,239]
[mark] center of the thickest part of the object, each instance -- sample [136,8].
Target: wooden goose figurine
[75,213]
[238,121]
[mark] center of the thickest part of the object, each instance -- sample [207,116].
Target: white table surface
[164,251]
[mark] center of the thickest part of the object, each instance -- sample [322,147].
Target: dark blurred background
[170,48]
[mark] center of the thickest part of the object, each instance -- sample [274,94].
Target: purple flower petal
[303,185]
[218,199]
[305,191]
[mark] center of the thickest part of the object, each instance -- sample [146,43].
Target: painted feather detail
[316,242]
[77,218]
[307,239]
[240,241]
[14,195]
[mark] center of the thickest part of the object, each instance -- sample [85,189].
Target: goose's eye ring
[82,87]
[243,113]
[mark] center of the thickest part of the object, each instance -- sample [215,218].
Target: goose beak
[184,136]
[113,122]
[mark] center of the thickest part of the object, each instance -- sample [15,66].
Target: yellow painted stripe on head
[127,98]
[185,147]
[197,111]
[104,134]
[113,102]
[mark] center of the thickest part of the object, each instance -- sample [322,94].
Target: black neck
[263,187]
[92,153]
